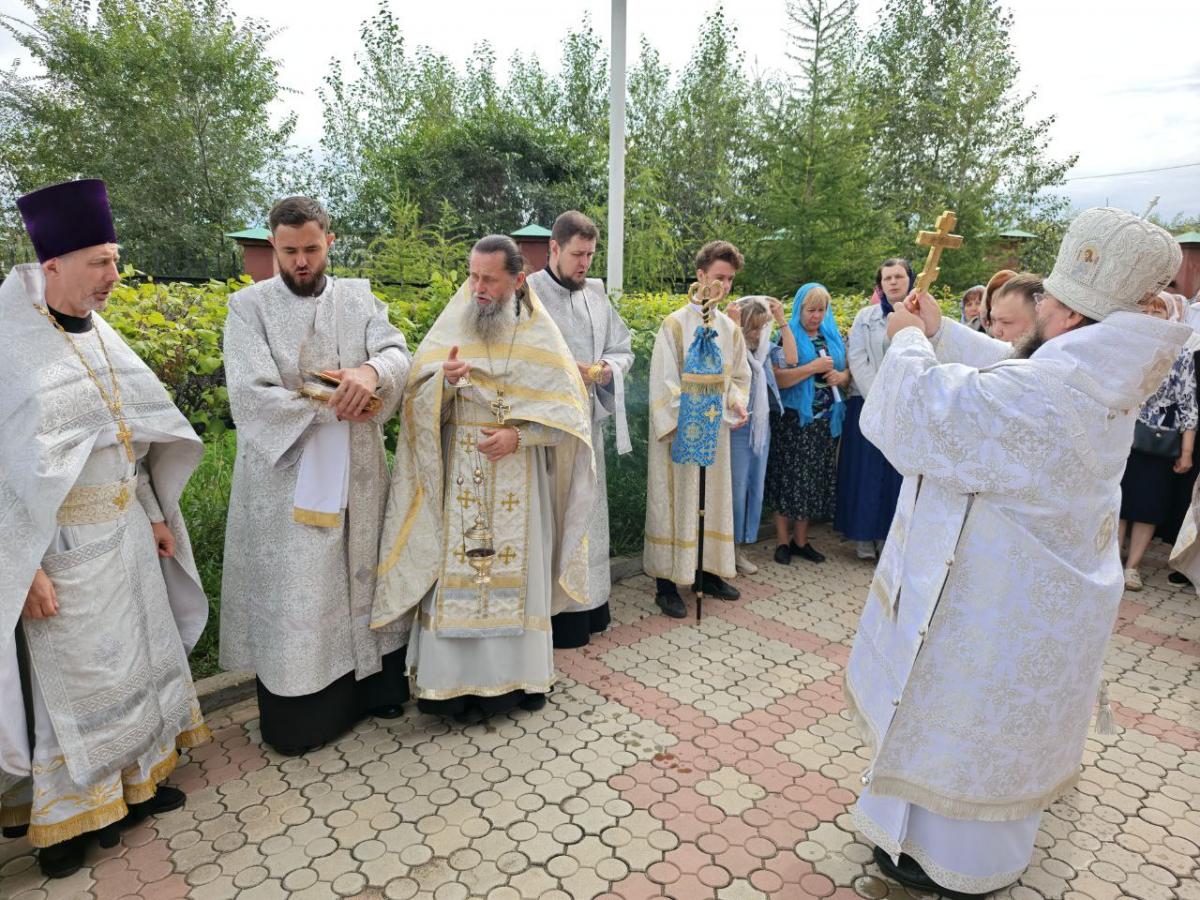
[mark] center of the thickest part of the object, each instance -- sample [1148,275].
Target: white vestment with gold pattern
[111,691]
[538,500]
[673,491]
[975,670]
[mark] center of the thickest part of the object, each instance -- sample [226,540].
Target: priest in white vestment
[673,491]
[100,600]
[496,468]
[309,486]
[977,663]
[600,342]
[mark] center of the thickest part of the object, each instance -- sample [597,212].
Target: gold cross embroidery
[936,241]
[466,498]
[122,499]
[508,555]
[711,413]
[511,502]
[467,441]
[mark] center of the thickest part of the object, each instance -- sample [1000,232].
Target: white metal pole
[616,152]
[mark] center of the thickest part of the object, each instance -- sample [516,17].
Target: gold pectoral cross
[500,409]
[125,436]
[936,241]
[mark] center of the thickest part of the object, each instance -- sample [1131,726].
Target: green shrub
[177,328]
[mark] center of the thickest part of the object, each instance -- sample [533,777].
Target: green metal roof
[531,231]
[249,234]
[1017,233]
[1191,237]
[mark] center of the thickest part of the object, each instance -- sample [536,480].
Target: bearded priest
[96,696]
[309,485]
[977,663]
[600,341]
[494,467]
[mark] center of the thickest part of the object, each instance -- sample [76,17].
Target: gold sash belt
[95,503]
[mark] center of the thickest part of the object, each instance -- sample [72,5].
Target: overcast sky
[1122,78]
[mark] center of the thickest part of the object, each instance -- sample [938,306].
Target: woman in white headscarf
[748,446]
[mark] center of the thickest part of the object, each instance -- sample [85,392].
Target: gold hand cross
[936,241]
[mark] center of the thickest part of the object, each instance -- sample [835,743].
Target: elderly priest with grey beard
[486,534]
[977,663]
[600,342]
[100,601]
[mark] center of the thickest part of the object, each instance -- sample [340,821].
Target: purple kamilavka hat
[68,216]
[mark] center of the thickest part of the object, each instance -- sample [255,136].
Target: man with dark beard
[309,486]
[495,467]
[600,341]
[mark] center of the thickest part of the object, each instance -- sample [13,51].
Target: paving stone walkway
[675,759]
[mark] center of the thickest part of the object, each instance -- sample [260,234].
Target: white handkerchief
[323,484]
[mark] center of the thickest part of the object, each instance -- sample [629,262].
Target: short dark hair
[894,261]
[296,211]
[719,250]
[572,223]
[1024,283]
[514,262]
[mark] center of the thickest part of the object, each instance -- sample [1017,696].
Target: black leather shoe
[719,588]
[671,605]
[12,832]
[388,712]
[806,552]
[64,859]
[1178,578]
[166,799]
[910,874]
[532,702]
[783,555]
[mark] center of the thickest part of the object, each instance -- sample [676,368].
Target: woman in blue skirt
[867,484]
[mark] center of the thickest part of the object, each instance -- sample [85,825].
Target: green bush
[176,328]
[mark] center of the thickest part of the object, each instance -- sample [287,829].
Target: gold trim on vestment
[530,623]
[467,582]
[476,690]
[15,816]
[95,504]
[90,820]
[518,390]
[45,835]
[687,545]
[317,519]
[402,536]
[520,352]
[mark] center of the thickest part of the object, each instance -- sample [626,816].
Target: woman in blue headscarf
[867,484]
[802,463]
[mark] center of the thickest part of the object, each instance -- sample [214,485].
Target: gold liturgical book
[328,383]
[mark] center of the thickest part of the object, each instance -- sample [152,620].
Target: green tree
[166,100]
[950,130]
[815,216]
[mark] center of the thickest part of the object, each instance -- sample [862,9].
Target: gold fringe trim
[13,816]
[144,790]
[194,737]
[476,690]
[952,807]
[530,623]
[316,519]
[91,820]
